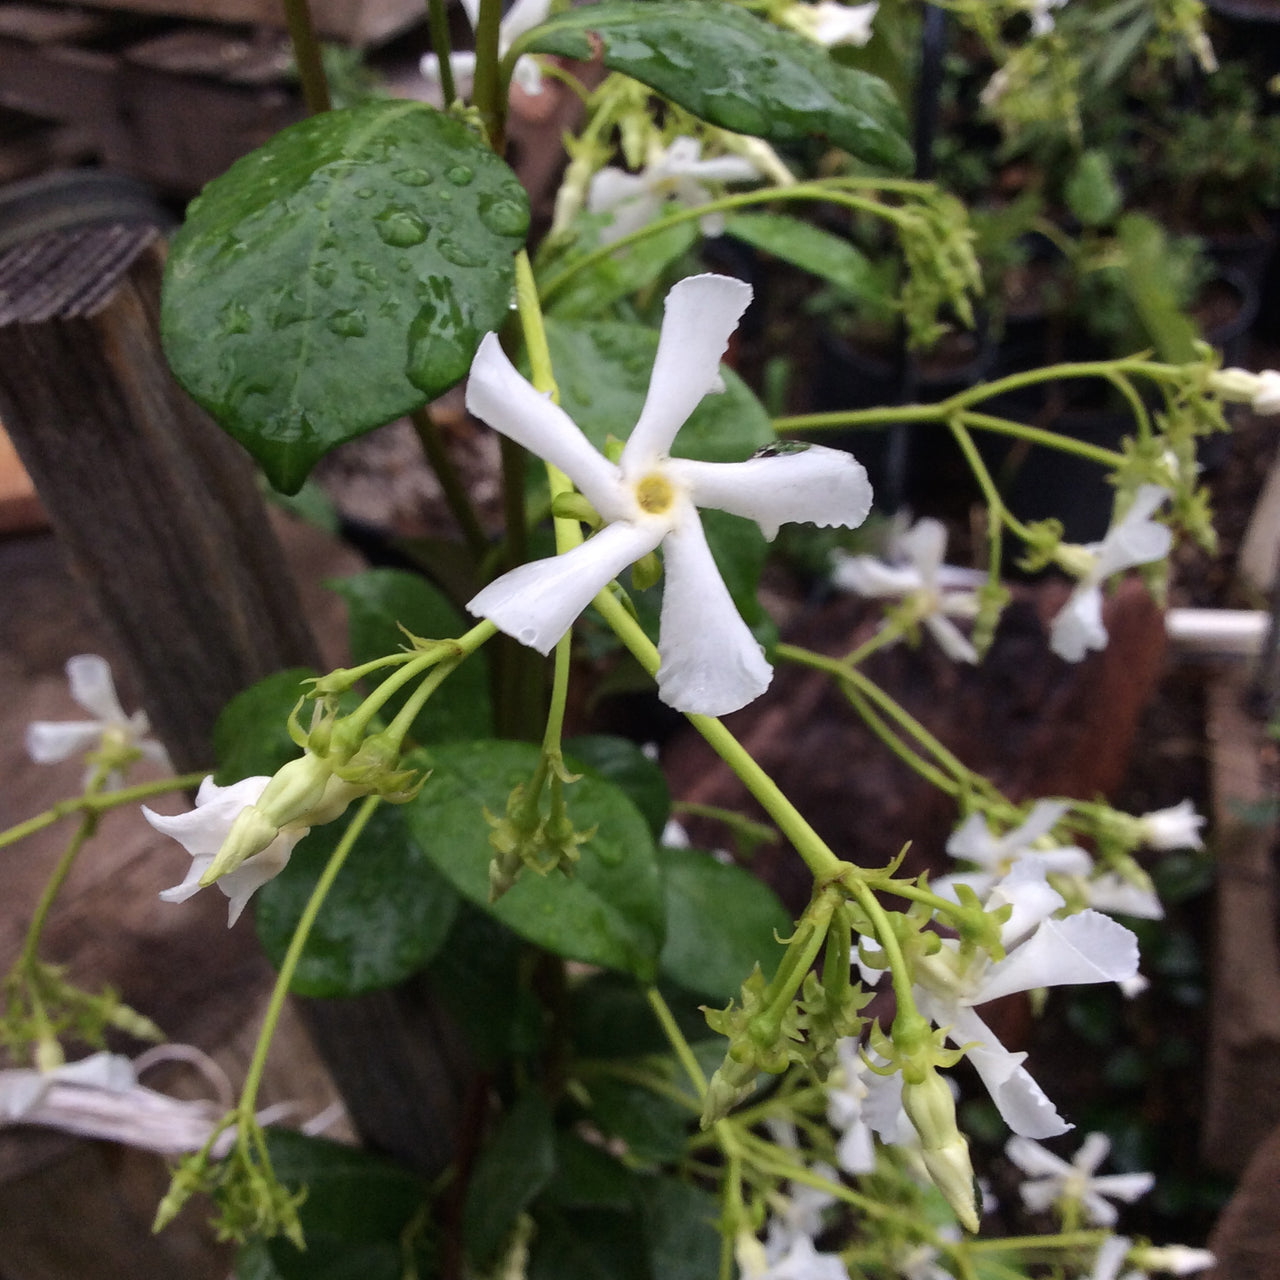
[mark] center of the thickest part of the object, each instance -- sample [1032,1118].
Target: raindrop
[400,228]
[441,340]
[460,255]
[413,177]
[365,193]
[610,853]
[348,324]
[324,274]
[504,217]
[460,175]
[235,318]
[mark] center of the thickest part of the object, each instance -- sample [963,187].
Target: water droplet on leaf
[413,177]
[504,217]
[400,228]
[235,318]
[442,341]
[460,175]
[348,324]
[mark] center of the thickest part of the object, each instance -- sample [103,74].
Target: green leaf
[481,977]
[588,1177]
[340,276]
[621,762]
[630,269]
[603,374]
[251,737]
[654,1127]
[609,913]
[357,1209]
[379,599]
[1146,280]
[388,913]
[588,1244]
[721,922]
[732,68]
[811,248]
[515,1166]
[1092,192]
[680,1229]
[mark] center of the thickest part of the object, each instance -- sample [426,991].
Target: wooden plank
[1243,1089]
[355,22]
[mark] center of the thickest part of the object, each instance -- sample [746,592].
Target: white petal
[156,752]
[1177,827]
[844,24]
[242,883]
[190,884]
[527,73]
[817,486]
[1035,1160]
[49,741]
[972,840]
[1093,1151]
[1115,895]
[498,395]
[537,603]
[701,314]
[1111,1255]
[1044,816]
[925,545]
[1088,947]
[951,640]
[1026,889]
[611,187]
[856,1150]
[1097,1211]
[1078,626]
[21,1090]
[1136,539]
[724,169]
[1125,1186]
[93,688]
[110,1071]
[202,830]
[523,16]
[1039,1196]
[472,9]
[711,663]
[867,576]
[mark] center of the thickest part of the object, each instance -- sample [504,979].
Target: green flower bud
[932,1111]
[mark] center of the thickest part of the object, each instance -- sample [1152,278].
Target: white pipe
[1221,633]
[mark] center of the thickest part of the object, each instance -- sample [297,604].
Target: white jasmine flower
[928,585]
[110,734]
[847,1095]
[1053,1181]
[711,663]
[801,1261]
[798,1215]
[1172,1259]
[1177,827]
[1260,391]
[1042,19]
[203,830]
[1040,951]
[679,173]
[831,23]
[1134,539]
[523,16]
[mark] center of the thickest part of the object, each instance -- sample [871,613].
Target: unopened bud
[932,1111]
[293,791]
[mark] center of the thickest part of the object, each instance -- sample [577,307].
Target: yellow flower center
[655,494]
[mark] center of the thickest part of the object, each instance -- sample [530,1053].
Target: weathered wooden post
[160,518]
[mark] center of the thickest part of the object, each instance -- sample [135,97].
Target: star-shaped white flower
[711,663]
[1051,1180]
[1134,539]
[1260,391]
[1177,827]
[110,732]
[679,173]
[202,830]
[831,23]
[523,16]
[1040,952]
[936,591]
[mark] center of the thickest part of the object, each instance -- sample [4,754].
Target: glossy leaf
[654,1127]
[515,1166]
[388,912]
[251,737]
[680,1230]
[732,68]
[340,276]
[721,922]
[827,256]
[621,762]
[379,599]
[356,1212]
[588,1177]
[609,913]
[588,1244]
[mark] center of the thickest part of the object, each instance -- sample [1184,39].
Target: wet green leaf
[251,737]
[621,762]
[388,913]
[340,276]
[811,248]
[609,913]
[379,599]
[732,68]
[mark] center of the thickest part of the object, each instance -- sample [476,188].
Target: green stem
[455,492]
[253,1077]
[307,56]
[911,758]
[27,957]
[675,1037]
[469,643]
[488,90]
[888,940]
[99,803]
[438,29]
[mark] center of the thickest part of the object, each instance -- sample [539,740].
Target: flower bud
[251,833]
[1175,1259]
[932,1111]
[293,791]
